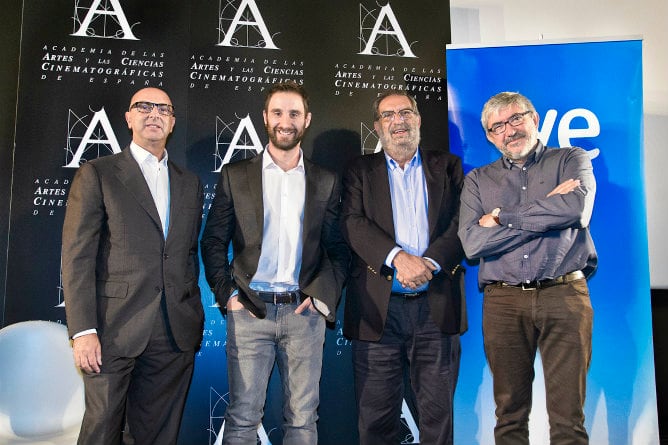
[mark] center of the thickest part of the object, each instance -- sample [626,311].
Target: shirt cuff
[391,255]
[320,306]
[82,333]
[438,266]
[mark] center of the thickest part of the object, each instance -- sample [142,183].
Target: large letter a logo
[386,30]
[106,21]
[253,32]
[99,134]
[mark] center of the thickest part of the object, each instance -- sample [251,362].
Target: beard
[526,149]
[404,146]
[285,138]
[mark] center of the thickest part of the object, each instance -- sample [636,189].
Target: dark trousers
[557,321]
[148,392]
[410,339]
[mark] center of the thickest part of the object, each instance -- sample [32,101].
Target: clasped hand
[412,271]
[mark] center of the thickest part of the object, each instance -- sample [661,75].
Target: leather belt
[409,295]
[281,297]
[542,284]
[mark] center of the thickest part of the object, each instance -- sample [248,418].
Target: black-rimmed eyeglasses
[147,107]
[514,121]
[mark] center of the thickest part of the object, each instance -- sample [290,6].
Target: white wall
[495,21]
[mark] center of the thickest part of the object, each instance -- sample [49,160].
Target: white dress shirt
[157,177]
[283,195]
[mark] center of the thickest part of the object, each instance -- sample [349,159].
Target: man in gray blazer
[130,270]
[280,211]
[404,306]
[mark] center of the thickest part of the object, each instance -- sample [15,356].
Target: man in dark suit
[280,212]
[404,306]
[130,270]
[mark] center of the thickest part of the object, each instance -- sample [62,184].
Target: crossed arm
[492,219]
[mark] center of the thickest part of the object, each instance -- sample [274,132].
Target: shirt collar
[415,161]
[268,162]
[142,155]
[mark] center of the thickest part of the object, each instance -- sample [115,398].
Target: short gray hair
[503,100]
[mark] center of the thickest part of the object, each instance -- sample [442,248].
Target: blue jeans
[296,342]
[557,321]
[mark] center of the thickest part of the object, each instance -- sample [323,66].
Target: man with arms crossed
[281,213]
[403,311]
[526,218]
[130,269]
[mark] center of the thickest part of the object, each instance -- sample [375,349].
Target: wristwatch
[495,215]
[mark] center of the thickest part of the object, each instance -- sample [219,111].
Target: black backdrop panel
[10,27]
[81,60]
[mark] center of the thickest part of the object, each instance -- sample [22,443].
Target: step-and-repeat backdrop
[81,61]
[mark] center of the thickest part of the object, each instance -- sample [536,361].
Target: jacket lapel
[129,173]
[434,174]
[316,193]
[380,184]
[254,176]
[176,190]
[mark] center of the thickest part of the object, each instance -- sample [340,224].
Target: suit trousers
[410,341]
[138,400]
[558,322]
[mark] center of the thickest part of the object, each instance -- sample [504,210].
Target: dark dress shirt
[539,237]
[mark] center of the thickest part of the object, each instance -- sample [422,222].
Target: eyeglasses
[514,121]
[147,107]
[404,115]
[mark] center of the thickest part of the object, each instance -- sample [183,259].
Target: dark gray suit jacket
[237,216]
[368,227]
[116,262]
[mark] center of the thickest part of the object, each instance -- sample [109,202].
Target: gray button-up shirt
[539,237]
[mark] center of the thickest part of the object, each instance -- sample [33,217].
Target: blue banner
[588,94]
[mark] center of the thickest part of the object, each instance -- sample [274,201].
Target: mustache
[290,129]
[398,127]
[516,136]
